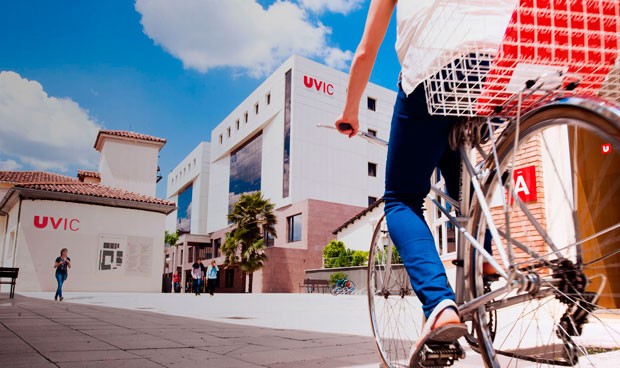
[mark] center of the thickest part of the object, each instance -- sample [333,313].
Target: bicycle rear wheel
[561,234]
[395,312]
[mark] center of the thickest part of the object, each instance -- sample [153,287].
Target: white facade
[38,229]
[316,178]
[192,170]
[138,174]
[113,229]
[324,165]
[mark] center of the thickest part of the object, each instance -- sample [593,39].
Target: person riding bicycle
[418,144]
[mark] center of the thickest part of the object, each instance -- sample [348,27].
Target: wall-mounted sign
[319,85]
[606,148]
[525,183]
[56,223]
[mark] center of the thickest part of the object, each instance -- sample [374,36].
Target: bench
[9,273]
[312,285]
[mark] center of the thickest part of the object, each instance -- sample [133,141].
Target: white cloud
[43,132]
[240,34]
[334,6]
[9,165]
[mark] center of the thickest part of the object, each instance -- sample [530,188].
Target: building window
[372,104]
[372,132]
[217,243]
[268,98]
[371,200]
[286,159]
[372,169]
[294,228]
[245,117]
[237,124]
[268,239]
[228,131]
[245,169]
[256,108]
[184,211]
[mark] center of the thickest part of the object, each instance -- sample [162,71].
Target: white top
[431,33]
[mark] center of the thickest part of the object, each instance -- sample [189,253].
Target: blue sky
[172,69]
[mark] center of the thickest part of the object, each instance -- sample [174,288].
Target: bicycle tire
[565,316]
[395,313]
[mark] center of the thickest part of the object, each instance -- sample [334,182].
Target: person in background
[212,277]
[61,264]
[197,276]
[176,282]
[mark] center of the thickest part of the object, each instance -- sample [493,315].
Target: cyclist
[418,143]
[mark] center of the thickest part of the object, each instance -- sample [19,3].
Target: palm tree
[254,219]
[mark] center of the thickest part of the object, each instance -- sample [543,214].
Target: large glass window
[245,169]
[184,212]
[287,134]
[294,228]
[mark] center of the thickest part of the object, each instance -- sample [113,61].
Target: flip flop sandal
[440,347]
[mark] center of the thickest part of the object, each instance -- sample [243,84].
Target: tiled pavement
[114,330]
[43,333]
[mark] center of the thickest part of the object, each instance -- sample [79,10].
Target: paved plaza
[184,330]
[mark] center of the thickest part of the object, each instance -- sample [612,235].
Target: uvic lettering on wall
[318,85]
[56,223]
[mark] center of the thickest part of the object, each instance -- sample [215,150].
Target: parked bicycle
[343,286]
[540,176]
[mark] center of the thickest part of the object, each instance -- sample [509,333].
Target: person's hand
[347,125]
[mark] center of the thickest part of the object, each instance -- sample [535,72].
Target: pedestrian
[176,282]
[212,271]
[197,276]
[203,283]
[418,143]
[61,264]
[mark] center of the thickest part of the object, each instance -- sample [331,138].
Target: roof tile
[17,177]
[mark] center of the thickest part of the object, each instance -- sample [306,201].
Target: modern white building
[316,178]
[109,220]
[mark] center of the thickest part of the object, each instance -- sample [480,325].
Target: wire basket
[567,45]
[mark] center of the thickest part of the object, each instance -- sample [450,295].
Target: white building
[109,221]
[316,178]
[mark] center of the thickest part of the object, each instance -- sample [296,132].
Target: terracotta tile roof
[126,134]
[33,177]
[94,190]
[88,174]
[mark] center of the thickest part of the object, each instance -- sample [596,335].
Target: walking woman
[61,265]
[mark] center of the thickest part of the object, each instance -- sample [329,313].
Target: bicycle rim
[395,312]
[563,234]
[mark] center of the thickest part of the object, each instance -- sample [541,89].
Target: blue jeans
[418,143]
[60,278]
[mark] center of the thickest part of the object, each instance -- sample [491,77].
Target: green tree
[337,255]
[254,219]
[334,254]
[171,238]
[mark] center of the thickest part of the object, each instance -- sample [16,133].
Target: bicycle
[552,301]
[343,286]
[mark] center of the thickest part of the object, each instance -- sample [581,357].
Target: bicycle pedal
[439,354]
